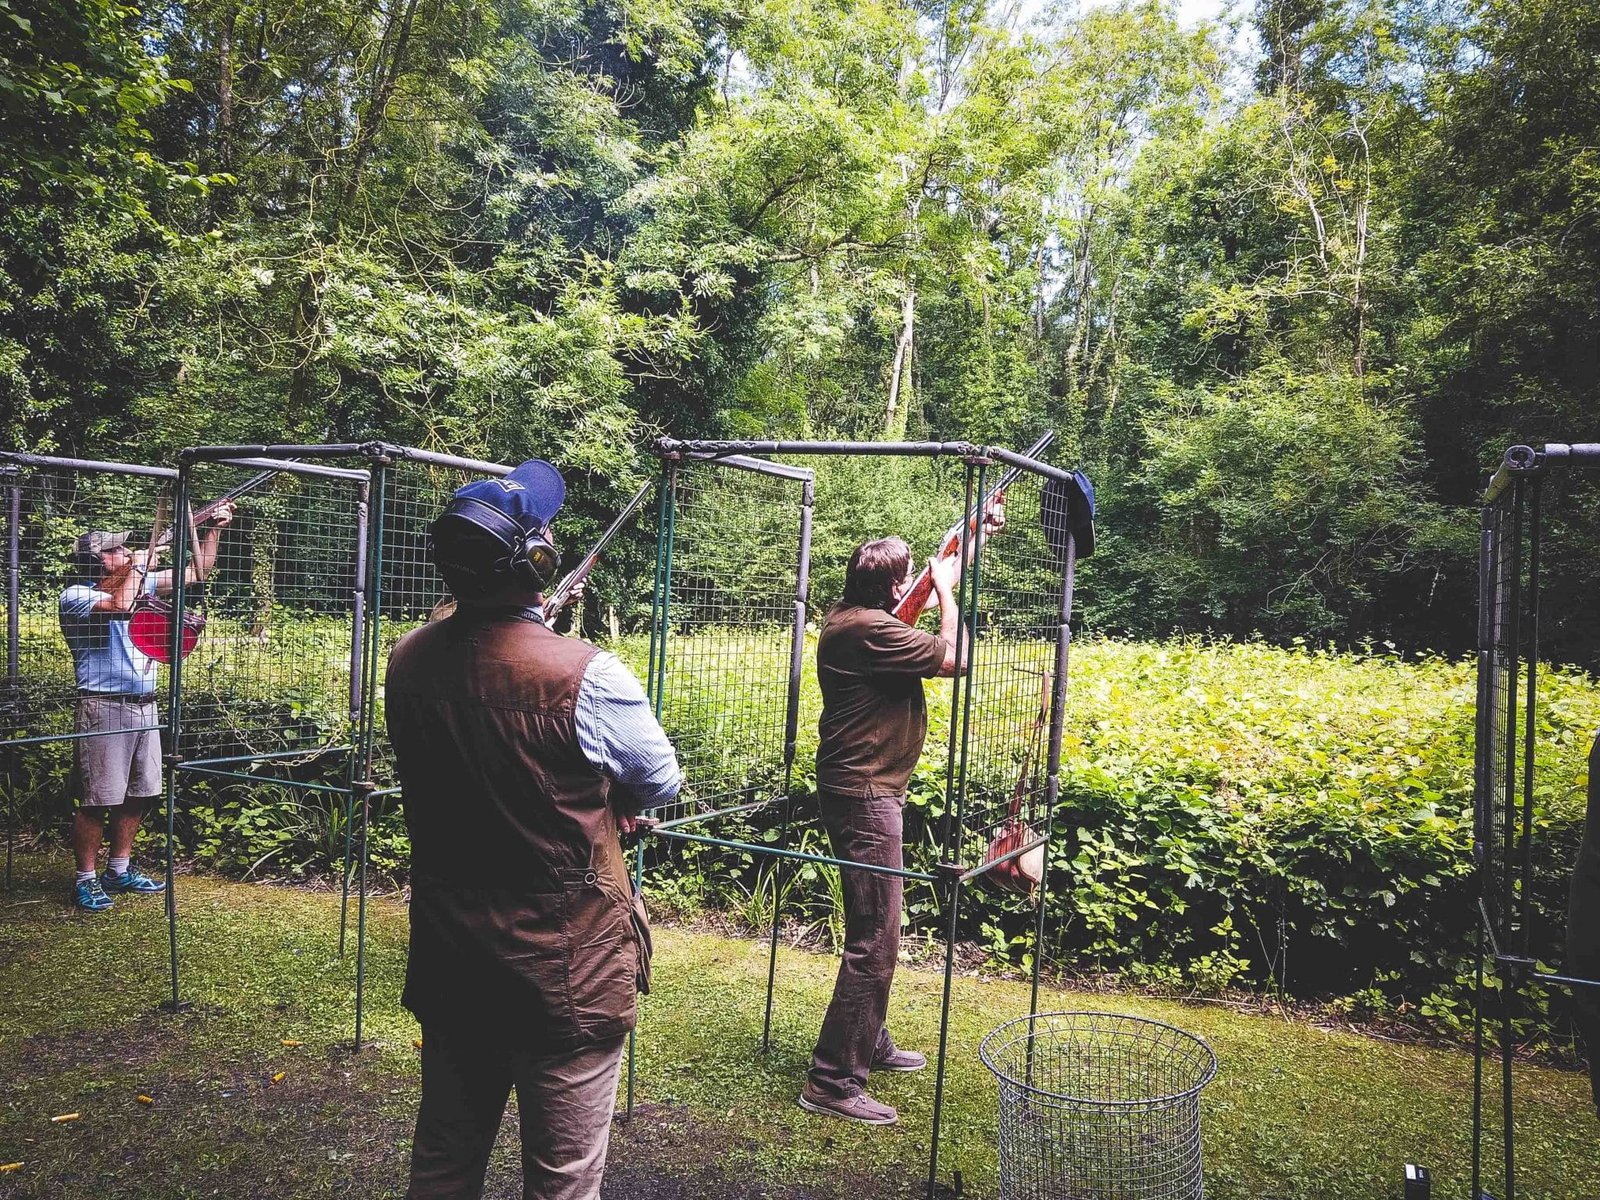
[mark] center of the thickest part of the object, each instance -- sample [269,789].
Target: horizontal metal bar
[218,453]
[271,754]
[794,855]
[366,450]
[726,451]
[1528,460]
[251,778]
[759,465]
[294,468]
[388,791]
[75,737]
[719,449]
[1585,454]
[1566,980]
[986,867]
[1531,967]
[85,464]
[433,458]
[696,818]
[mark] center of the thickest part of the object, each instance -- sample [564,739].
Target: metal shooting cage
[325,565]
[733,601]
[340,542]
[48,502]
[1511,581]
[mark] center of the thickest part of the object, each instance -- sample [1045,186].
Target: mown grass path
[1296,1112]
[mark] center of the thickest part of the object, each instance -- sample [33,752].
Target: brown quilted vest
[521,908]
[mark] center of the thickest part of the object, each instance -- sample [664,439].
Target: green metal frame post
[366,730]
[665,513]
[180,582]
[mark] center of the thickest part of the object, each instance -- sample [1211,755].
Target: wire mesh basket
[1096,1106]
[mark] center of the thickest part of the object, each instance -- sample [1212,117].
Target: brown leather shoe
[860,1107]
[896,1059]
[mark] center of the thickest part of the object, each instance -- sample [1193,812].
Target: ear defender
[540,560]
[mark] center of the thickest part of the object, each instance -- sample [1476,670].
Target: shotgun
[915,600]
[562,594]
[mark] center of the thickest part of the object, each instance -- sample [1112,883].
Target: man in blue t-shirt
[116,759]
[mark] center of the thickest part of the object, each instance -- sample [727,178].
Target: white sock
[85,876]
[117,866]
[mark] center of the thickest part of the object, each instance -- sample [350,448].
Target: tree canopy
[1285,307]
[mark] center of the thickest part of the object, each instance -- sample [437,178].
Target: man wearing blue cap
[521,755]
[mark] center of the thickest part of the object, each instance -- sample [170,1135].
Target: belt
[135,697]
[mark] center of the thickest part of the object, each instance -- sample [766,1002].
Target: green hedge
[1231,814]
[1238,814]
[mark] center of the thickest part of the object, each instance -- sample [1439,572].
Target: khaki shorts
[123,759]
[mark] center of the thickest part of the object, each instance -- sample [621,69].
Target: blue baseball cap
[531,495]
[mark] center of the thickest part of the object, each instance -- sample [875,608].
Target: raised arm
[205,553]
[945,572]
[121,588]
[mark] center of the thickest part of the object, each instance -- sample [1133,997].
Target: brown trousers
[866,831]
[565,1102]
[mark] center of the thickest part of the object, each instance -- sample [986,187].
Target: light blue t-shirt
[103,653]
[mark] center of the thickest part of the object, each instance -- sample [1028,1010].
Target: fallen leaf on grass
[292,1042]
[65,1117]
[278,1078]
[417,1042]
[7,1168]
[143,1099]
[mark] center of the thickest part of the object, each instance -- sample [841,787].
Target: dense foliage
[1287,303]
[1231,815]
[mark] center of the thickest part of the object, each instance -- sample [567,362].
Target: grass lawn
[251,1093]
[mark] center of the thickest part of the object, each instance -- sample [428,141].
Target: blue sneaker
[131,881]
[90,896]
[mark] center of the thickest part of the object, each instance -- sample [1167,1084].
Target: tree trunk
[894,424]
[225,91]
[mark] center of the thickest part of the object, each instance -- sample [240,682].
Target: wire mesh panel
[1012,678]
[1096,1106]
[410,591]
[269,682]
[47,504]
[727,632]
[1498,661]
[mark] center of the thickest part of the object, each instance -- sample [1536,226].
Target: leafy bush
[1236,813]
[1230,814]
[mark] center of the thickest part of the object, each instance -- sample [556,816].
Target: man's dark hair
[875,568]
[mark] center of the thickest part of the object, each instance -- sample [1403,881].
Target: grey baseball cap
[98,541]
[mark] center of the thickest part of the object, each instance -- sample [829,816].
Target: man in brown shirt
[521,754]
[870,666]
